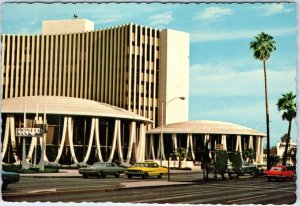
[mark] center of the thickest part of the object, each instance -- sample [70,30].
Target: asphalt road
[237,191]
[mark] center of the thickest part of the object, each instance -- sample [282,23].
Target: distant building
[281,146]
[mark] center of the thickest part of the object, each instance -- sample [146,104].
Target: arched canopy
[66,106]
[206,127]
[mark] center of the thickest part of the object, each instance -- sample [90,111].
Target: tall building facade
[128,67]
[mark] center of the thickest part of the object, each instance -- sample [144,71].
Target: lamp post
[162,124]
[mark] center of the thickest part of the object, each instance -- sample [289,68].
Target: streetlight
[162,124]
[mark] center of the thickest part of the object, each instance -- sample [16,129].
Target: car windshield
[141,165]
[145,165]
[277,168]
[99,164]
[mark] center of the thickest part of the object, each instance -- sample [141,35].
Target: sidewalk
[61,173]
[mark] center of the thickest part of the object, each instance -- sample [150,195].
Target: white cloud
[212,13]
[107,19]
[271,9]
[161,19]
[222,81]
[199,36]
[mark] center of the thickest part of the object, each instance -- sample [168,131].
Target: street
[193,191]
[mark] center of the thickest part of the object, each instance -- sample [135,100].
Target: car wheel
[129,176]
[117,175]
[269,179]
[101,175]
[4,185]
[159,176]
[145,176]
[84,175]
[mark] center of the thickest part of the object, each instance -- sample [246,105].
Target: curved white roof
[66,106]
[206,127]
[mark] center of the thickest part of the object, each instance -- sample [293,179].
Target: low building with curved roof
[54,105]
[69,121]
[194,134]
[206,127]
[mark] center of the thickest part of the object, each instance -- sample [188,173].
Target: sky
[225,82]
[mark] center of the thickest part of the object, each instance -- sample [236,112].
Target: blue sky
[226,82]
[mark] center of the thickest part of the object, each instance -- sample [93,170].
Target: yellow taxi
[145,170]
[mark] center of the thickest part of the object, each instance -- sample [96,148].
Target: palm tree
[249,154]
[181,153]
[284,138]
[287,104]
[262,47]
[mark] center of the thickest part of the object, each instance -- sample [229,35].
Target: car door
[108,168]
[112,169]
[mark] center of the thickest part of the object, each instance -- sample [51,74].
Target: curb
[50,176]
[86,190]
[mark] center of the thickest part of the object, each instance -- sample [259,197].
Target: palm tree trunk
[267,116]
[287,142]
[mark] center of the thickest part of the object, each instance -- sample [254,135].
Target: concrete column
[152,151]
[250,146]
[113,146]
[62,142]
[174,140]
[131,141]
[88,153]
[141,145]
[258,149]
[13,137]
[5,140]
[224,142]
[70,135]
[261,150]
[119,142]
[97,137]
[238,146]
[190,136]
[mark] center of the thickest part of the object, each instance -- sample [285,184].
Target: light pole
[162,124]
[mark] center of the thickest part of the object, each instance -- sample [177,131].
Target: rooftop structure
[67,26]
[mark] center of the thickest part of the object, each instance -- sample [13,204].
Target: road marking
[43,190]
[247,198]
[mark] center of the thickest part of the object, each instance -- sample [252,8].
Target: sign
[219,146]
[29,132]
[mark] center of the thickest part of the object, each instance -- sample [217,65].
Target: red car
[280,172]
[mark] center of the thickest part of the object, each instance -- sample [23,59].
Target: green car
[246,168]
[101,169]
[8,178]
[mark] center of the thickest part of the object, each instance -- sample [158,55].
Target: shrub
[236,160]
[221,162]
[18,169]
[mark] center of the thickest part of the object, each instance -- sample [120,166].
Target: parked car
[9,178]
[245,169]
[101,169]
[261,168]
[145,170]
[280,172]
